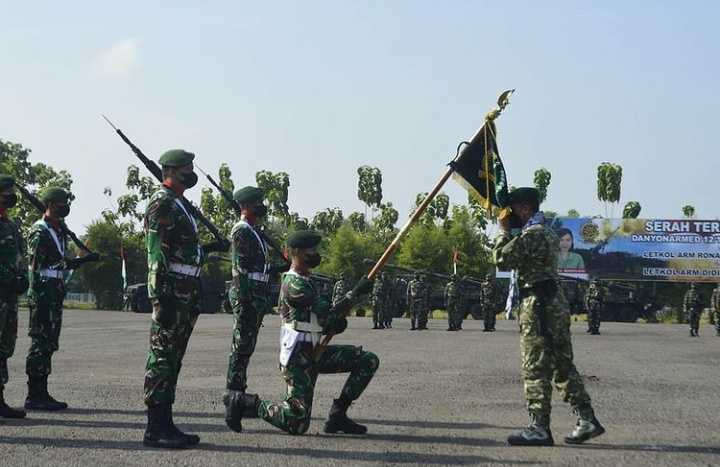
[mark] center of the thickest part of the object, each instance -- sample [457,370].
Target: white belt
[185,269]
[308,332]
[51,273]
[258,276]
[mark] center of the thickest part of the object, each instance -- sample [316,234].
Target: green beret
[54,193]
[528,194]
[176,158]
[6,181]
[249,194]
[304,239]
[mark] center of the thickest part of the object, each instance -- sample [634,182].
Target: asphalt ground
[439,398]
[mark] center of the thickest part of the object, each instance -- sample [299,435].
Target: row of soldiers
[390,296]
[693,307]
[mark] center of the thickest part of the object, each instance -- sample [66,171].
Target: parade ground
[439,398]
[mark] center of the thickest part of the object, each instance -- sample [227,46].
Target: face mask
[313,260]
[9,201]
[260,211]
[516,222]
[62,211]
[188,179]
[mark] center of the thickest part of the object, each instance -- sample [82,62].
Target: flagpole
[390,250]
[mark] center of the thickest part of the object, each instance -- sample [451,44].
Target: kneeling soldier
[305,317]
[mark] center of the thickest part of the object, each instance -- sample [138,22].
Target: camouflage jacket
[593,297]
[341,288]
[46,251]
[380,292]
[12,253]
[172,236]
[715,299]
[249,250]
[418,293]
[691,301]
[487,294]
[533,253]
[299,299]
[453,291]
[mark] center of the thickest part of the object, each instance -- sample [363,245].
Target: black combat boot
[160,433]
[587,426]
[7,411]
[190,439]
[413,327]
[537,433]
[338,420]
[38,397]
[237,405]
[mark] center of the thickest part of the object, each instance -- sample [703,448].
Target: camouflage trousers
[175,312]
[248,317]
[45,301]
[547,354]
[8,333]
[694,318]
[293,413]
[378,312]
[716,319]
[593,317]
[455,314]
[489,319]
[419,314]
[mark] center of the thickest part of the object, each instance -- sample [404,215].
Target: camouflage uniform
[340,288]
[12,265]
[379,299]
[418,301]
[174,261]
[487,304]
[301,308]
[715,308]
[593,304]
[45,297]
[692,307]
[454,303]
[546,346]
[248,298]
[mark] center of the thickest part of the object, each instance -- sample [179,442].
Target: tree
[471,241]
[214,205]
[15,161]
[328,221]
[573,213]
[357,221]
[370,186]
[609,181]
[542,182]
[276,186]
[347,249]
[688,211]
[385,222]
[478,212]
[426,247]
[631,210]
[437,209]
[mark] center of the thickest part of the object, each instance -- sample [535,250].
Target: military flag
[478,166]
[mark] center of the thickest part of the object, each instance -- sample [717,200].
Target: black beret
[54,193]
[529,194]
[249,194]
[176,158]
[303,239]
[6,181]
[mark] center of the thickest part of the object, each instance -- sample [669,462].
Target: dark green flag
[479,168]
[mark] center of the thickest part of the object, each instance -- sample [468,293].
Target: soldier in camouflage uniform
[341,287]
[487,303]
[48,265]
[692,307]
[715,308]
[13,282]
[453,303]
[249,292]
[379,300]
[418,301]
[594,300]
[544,317]
[174,256]
[305,317]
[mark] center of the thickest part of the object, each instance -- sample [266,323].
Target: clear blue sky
[317,88]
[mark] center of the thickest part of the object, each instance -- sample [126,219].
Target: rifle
[157,173]
[40,206]
[236,206]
